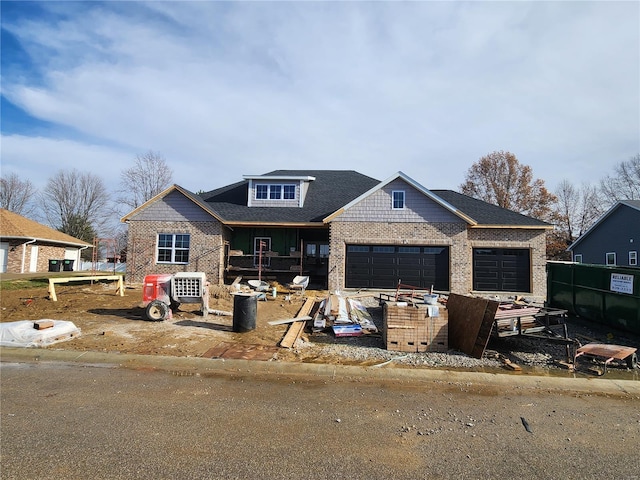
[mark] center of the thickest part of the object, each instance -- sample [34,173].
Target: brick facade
[457,236]
[19,256]
[207,249]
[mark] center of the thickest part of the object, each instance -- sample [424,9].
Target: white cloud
[226,89]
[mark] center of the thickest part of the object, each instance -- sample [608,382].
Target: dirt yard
[113,323]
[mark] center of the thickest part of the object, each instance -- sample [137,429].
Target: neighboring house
[28,246]
[343,229]
[614,239]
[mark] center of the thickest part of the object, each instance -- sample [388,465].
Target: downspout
[24,253]
[79,258]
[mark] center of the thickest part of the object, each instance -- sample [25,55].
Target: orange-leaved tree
[499,178]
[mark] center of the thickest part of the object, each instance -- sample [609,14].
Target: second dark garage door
[501,270]
[383,266]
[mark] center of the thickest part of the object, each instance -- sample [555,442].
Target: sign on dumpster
[622,283]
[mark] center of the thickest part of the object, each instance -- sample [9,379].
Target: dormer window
[275,191]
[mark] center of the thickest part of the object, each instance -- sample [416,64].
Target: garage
[501,270]
[383,266]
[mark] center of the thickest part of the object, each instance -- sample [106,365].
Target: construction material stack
[415,327]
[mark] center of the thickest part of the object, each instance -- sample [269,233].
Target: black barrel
[245,307]
[54,265]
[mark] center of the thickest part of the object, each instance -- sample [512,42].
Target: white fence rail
[102,267]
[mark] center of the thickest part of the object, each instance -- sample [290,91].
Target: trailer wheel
[157,310]
[632,361]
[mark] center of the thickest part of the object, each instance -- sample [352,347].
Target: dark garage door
[383,266]
[501,270]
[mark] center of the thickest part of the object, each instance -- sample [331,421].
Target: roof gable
[633,205]
[172,190]
[13,225]
[399,175]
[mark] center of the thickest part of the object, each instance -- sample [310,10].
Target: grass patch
[24,284]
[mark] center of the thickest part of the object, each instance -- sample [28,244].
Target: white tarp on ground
[23,334]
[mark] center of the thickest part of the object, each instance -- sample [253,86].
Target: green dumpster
[600,293]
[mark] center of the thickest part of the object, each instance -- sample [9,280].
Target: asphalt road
[136,420]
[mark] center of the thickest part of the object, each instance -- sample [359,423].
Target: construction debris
[24,333]
[344,316]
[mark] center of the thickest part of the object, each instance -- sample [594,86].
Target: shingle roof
[331,190]
[13,225]
[485,213]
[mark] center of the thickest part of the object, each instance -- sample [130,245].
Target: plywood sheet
[470,323]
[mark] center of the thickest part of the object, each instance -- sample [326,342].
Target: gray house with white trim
[614,239]
[343,229]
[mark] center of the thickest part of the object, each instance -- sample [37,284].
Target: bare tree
[76,203]
[16,195]
[499,178]
[149,176]
[574,211]
[625,183]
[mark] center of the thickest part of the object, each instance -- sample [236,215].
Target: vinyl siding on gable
[174,207]
[377,207]
[619,233]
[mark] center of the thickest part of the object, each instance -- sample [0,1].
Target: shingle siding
[418,208]
[174,207]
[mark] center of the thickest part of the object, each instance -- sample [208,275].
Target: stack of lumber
[508,313]
[346,315]
[415,328]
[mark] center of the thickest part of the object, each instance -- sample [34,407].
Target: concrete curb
[323,372]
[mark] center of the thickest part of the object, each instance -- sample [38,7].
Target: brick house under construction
[343,229]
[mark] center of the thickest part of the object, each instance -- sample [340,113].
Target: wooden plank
[289,320]
[53,281]
[296,328]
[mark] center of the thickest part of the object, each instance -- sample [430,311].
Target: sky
[226,89]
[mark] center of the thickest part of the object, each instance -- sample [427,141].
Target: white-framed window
[275,191]
[173,247]
[397,199]
[262,192]
[610,258]
[633,258]
[289,192]
[577,258]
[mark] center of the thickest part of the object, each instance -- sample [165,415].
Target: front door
[33,259]
[4,255]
